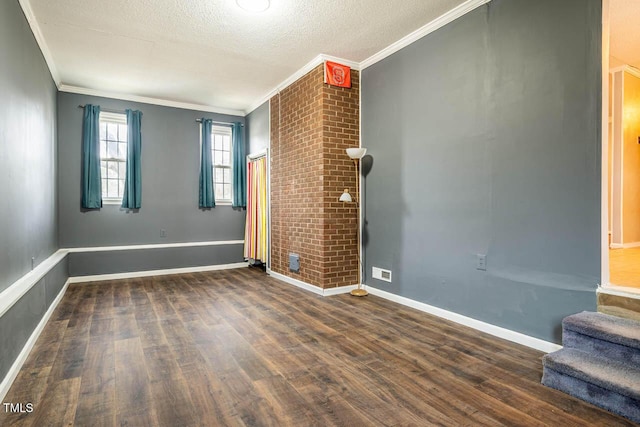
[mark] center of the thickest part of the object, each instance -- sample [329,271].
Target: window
[113,155]
[221,158]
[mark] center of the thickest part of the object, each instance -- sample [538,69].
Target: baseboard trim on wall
[481,326]
[148,273]
[17,289]
[624,245]
[619,290]
[312,288]
[22,357]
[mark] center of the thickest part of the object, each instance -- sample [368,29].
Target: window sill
[223,203]
[112,202]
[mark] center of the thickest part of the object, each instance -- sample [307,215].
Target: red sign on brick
[336,74]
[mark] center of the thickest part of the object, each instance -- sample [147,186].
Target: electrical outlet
[163,233]
[481,262]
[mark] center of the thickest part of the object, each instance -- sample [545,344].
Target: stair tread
[608,374]
[605,327]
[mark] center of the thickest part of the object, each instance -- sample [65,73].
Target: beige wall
[631,159]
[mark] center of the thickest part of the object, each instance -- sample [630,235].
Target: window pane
[217,157]
[112,149]
[122,132]
[112,132]
[112,188]
[122,170]
[104,187]
[103,169]
[226,158]
[103,130]
[217,142]
[120,187]
[103,149]
[219,175]
[227,191]
[122,151]
[219,191]
[227,175]
[112,169]
[226,143]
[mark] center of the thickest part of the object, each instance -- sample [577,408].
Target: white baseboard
[624,245]
[488,328]
[312,288]
[168,271]
[618,290]
[22,357]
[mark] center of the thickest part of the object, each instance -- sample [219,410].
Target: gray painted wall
[108,262]
[484,138]
[19,322]
[170,168]
[28,222]
[257,128]
[27,149]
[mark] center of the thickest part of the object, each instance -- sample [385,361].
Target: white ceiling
[210,52]
[624,45]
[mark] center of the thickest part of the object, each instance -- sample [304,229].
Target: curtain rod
[219,123]
[107,110]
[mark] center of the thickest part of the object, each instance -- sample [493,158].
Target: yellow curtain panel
[255,235]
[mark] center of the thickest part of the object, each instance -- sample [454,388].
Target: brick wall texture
[311,126]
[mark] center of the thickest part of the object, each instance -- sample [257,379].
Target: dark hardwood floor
[238,348]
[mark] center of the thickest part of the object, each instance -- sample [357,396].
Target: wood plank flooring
[237,348]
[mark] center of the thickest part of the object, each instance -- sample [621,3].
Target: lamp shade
[345,196]
[356,153]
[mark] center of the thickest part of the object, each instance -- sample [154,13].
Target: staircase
[599,362]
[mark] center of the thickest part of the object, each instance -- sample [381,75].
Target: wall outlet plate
[481,262]
[381,274]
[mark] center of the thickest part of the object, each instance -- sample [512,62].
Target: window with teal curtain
[91,179]
[132,198]
[239,168]
[207,199]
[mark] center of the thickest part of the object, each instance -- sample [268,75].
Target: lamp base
[359,293]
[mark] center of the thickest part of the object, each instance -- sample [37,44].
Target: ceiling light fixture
[253,5]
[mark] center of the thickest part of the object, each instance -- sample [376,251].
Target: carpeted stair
[599,363]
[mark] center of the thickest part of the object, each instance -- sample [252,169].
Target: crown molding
[628,68]
[298,74]
[432,26]
[42,44]
[148,100]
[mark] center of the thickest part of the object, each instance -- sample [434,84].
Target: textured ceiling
[210,52]
[625,32]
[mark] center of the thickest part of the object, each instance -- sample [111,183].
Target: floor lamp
[356,154]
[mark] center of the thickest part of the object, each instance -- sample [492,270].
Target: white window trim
[120,118]
[225,130]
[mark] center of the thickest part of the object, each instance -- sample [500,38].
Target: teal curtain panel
[239,168]
[207,199]
[132,198]
[91,179]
